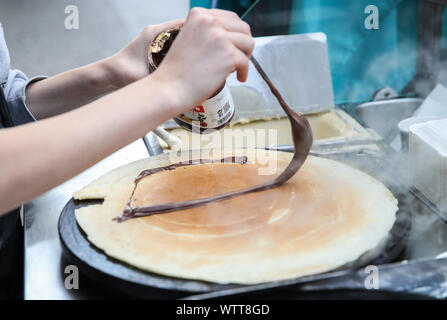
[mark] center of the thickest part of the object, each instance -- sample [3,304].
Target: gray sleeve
[15,96]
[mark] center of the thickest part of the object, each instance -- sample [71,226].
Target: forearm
[41,155]
[69,90]
[38,156]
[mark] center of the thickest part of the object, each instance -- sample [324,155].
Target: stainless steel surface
[338,148]
[404,139]
[428,237]
[44,269]
[384,115]
[152,144]
[427,278]
[385,93]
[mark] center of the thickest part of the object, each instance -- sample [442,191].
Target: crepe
[334,125]
[328,214]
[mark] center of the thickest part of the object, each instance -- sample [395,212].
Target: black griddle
[122,277]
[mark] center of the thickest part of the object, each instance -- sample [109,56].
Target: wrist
[170,91]
[106,75]
[100,76]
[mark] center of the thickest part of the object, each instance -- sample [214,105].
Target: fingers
[215,12]
[172,23]
[240,61]
[224,13]
[242,41]
[232,25]
[150,32]
[169,24]
[233,31]
[229,20]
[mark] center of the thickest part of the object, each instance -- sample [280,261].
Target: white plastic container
[428,161]
[404,128]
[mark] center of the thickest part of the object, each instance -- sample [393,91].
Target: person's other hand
[131,63]
[211,45]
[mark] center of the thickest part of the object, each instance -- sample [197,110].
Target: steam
[429,233]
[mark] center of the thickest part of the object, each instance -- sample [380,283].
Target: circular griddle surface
[121,276]
[114,273]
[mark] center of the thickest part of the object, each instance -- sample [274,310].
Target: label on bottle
[213,113]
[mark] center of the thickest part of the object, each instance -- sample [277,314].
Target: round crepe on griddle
[328,214]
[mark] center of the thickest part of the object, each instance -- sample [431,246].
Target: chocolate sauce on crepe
[302,142]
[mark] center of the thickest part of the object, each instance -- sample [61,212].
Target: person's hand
[211,45]
[131,63]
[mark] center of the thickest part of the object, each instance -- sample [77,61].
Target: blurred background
[39,43]
[362,60]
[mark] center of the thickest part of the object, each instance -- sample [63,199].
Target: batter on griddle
[319,220]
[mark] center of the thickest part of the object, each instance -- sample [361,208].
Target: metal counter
[44,265]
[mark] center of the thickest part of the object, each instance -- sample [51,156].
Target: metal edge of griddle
[337,149]
[86,256]
[349,272]
[331,151]
[343,143]
[418,279]
[157,291]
